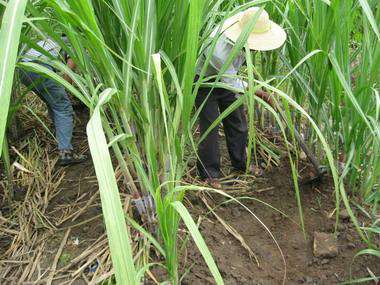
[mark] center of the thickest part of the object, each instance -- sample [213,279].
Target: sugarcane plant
[340,84]
[10,36]
[136,67]
[145,124]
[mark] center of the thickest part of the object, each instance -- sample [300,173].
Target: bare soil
[301,267]
[233,260]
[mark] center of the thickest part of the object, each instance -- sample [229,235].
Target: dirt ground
[301,266]
[85,234]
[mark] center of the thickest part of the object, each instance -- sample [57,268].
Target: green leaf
[375,230]
[9,43]
[46,72]
[117,232]
[368,12]
[368,252]
[199,241]
[348,90]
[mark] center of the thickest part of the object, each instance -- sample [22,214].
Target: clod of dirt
[341,227]
[305,280]
[325,245]
[19,193]
[325,261]
[209,280]
[236,213]
[343,215]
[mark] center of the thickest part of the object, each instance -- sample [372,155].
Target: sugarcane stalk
[9,192]
[309,154]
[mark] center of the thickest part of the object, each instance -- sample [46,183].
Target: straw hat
[266,35]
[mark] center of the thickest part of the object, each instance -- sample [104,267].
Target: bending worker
[55,97]
[265,36]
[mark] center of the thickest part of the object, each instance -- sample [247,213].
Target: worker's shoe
[213,183]
[67,157]
[253,170]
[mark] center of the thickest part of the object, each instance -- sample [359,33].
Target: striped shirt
[49,46]
[221,52]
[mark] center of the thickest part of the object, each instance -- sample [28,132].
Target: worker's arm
[70,64]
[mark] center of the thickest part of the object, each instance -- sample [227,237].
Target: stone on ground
[325,245]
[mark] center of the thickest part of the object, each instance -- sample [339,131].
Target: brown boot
[214,183]
[253,170]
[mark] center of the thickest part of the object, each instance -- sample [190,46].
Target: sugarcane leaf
[196,8]
[302,61]
[9,42]
[328,2]
[339,187]
[48,73]
[348,90]
[147,235]
[198,239]
[375,230]
[121,137]
[361,280]
[117,232]
[368,252]
[368,12]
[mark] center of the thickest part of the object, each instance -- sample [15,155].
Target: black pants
[235,128]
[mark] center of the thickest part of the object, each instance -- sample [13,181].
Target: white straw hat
[266,35]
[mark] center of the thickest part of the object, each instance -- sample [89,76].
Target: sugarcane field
[189,142]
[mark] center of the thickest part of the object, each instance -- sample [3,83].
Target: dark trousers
[235,128]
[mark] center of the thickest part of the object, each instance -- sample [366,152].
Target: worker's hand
[70,64]
[265,96]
